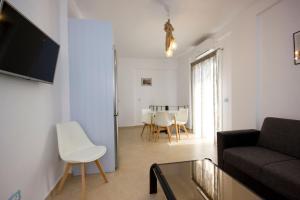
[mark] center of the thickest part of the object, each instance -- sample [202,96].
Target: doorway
[206,96]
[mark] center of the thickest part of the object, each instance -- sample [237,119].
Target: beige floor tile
[137,154]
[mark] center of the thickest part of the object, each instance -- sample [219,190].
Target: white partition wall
[91,83]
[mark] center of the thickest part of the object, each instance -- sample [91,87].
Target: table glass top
[203,180]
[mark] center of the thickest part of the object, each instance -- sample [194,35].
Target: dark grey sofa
[267,161]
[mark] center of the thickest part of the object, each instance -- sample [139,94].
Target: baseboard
[54,188]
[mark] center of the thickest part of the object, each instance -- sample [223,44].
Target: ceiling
[138,24]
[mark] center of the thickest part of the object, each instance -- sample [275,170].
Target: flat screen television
[25,50]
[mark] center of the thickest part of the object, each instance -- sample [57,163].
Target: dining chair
[162,121]
[75,148]
[181,120]
[147,118]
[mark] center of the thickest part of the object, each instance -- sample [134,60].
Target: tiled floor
[136,154]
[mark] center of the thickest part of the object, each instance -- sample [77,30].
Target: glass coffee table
[197,180]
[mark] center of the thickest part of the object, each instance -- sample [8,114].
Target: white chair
[76,148]
[181,120]
[147,117]
[162,120]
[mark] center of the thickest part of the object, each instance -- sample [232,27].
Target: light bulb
[173,45]
[169,53]
[297,55]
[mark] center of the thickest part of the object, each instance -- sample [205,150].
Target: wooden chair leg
[150,128]
[157,133]
[143,130]
[185,130]
[169,134]
[177,135]
[150,131]
[63,180]
[152,135]
[177,131]
[101,170]
[83,182]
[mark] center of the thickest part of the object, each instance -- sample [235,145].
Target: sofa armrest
[228,139]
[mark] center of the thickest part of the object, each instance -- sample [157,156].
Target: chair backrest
[162,119]
[71,138]
[182,115]
[146,116]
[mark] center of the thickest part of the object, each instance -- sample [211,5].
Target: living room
[257,45]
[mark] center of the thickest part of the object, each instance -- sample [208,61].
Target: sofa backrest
[282,135]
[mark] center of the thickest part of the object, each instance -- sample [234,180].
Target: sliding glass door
[206,97]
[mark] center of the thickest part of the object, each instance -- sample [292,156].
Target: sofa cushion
[250,160]
[283,177]
[281,135]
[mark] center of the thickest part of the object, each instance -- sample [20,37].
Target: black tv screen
[25,51]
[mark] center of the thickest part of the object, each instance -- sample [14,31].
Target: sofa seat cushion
[250,160]
[283,177]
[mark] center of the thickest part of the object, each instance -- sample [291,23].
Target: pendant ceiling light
[170,40]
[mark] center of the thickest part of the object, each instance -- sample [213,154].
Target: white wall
[132,97]
[242,47]
[29,112]
[73,10]
[259,78]
[64,54]
[263,77]
[279,78]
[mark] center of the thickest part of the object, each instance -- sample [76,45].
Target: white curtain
[206,96]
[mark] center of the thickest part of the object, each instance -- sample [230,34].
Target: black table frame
[155,173]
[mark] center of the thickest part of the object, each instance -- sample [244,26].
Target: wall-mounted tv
[25,50]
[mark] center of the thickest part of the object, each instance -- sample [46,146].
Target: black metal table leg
[155,173]
[153,180]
